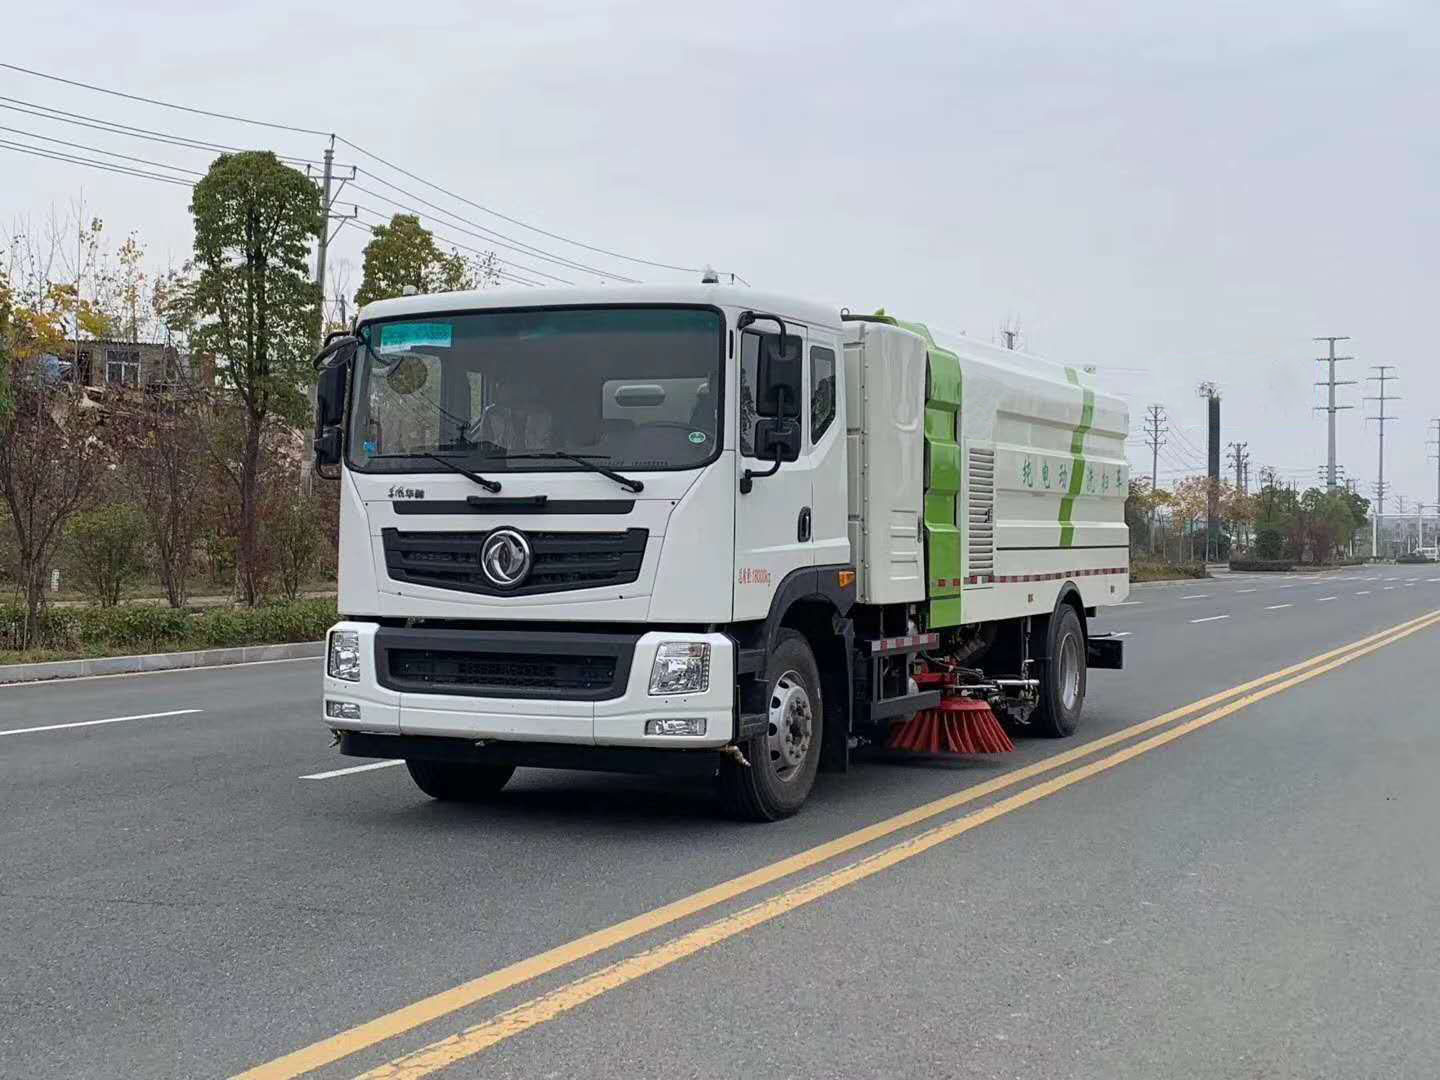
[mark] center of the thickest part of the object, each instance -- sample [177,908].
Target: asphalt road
[1251,898]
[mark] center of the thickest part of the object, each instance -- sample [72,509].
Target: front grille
[562,560]
[504,663]
[434,669]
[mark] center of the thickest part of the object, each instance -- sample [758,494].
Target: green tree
[255,308]
[106,549]
[403,254]
[1329,522]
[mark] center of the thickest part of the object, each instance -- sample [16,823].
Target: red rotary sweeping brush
[958,725]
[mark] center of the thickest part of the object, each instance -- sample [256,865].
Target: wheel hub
[1069,671]
[791,725]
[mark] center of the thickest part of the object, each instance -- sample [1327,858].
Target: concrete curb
[173,661]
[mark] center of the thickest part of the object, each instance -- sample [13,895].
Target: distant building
[125,363]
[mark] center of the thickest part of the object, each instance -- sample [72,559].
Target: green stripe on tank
[944,477]
[1077,465]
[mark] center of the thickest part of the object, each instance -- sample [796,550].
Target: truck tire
[456,781]
[1062,679]
[782,760]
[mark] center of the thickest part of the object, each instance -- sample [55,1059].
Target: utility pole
[1155,431]
[1381,420]
[322,248]
[1435,442]
[1237,459]
[79,264]
[1332,408]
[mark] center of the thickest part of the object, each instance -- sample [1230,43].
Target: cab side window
[822,391]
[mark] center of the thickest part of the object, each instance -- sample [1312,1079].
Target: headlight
[344,655]
[681,667]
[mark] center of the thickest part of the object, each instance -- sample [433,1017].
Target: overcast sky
[1170,192]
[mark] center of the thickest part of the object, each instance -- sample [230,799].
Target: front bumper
[615,720]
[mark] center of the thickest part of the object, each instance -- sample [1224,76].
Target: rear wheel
[456,781]
[783,759]
[1062,679]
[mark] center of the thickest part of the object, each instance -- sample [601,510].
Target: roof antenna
[710,276]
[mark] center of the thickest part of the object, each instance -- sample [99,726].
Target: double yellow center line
[545,1007]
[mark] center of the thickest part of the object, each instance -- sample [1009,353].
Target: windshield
[627,388]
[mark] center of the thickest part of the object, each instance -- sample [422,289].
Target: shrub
[1261,565]
[1152,570]
[121,630]
[295,535]
[105,550]
[1269,543]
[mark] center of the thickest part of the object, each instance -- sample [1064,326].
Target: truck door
[774,522]
[825,444]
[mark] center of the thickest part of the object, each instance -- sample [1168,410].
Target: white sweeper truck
[706,531]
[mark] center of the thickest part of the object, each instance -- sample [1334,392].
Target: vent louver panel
[980,524]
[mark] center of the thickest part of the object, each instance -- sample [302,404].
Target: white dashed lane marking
[1211,618]
[353,769]
[97,723]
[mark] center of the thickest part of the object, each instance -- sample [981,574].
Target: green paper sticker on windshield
[409,335]
[697,437]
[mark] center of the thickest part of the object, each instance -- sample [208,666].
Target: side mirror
[327,447]
[777,439]
[330,414]
[778,373]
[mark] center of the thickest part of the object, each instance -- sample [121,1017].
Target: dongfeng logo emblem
[505,558]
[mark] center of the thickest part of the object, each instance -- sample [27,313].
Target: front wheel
[784,758]
[457,782]
[1062,680]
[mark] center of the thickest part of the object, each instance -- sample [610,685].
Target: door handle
[803,532]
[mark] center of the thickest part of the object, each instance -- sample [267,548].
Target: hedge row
[1152,570]
[138,629]
[1278,565]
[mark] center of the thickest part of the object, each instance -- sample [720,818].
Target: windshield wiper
[488,485]
[586,460]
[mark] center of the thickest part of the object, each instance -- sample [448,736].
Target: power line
[166,104]
[1187,445]
[98,150]
[114,127]
[517,221]
[358,149]
[102,165]
[471,248]
[489,234]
